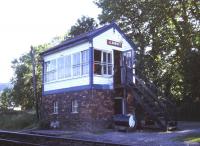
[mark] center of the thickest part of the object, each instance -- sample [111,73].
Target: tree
[167,35]
[6,99]
[23,79]
[84,24]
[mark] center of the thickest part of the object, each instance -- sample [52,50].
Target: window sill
[66,79]
[54,114]
[105,76]
[74,112]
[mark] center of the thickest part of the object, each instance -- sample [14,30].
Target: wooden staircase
[159,109]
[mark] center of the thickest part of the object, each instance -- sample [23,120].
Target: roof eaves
[103,29]
[114,25]
[62,47]
[88,36]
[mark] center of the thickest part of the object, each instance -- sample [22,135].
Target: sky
[32,22]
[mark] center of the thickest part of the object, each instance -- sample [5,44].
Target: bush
[44,124]
[15,120]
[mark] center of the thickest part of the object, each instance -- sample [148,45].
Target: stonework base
[95,109]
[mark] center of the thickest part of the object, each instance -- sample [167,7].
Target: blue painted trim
[42,77]
[101,86]
[101,31]
[91,60]
[62,47]
[115,26]
[77,88]
[86,37]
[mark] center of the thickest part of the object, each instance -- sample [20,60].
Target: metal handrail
[153,95]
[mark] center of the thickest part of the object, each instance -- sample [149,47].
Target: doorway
[119,105]
[117,68]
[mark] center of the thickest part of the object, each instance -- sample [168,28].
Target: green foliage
[22,92]
[84,24]
[22,81]
[15,120]
[194,137]
[167,36]
[6,99]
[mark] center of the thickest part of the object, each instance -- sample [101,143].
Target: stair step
[161,117]
[160,114]
[152,105]
[171,125]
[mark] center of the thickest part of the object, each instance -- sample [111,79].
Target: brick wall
[95,109]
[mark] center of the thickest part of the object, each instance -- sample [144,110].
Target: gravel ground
[137,138]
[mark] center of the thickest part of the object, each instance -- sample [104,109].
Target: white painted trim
[118,97]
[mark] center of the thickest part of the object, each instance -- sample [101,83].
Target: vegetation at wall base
[17,120]
[189,138]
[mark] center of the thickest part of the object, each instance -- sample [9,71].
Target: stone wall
[95,109]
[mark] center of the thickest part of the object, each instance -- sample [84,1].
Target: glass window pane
[76,70]
[50,70]
[104,69]
[55,107]
[85,62]
[68,66]
[76,59]
[110,69]
[46,64]
[97,69]
[85,56]
[103,65]
[104,57]
[74,106]
[97,55]
[109,58]
[85,69]
[76,64]
[61,68]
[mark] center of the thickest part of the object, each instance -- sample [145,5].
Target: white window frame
[50,68]
[106,63]
[64,71]
[74,106]
[61,68]
[76,64]
[55,107]
[85,62]
[68,68]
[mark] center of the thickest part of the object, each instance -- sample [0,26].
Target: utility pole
[32,53]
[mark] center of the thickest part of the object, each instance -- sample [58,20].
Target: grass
[17,120]
[190,138]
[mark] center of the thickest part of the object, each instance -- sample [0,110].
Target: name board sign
[114,43]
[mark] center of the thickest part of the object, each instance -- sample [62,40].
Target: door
[119,105]
[117,68]
[127,70]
